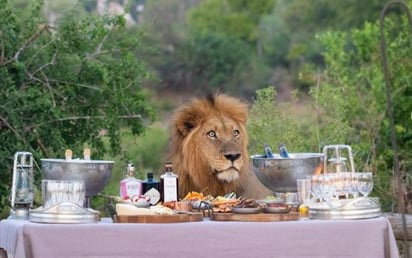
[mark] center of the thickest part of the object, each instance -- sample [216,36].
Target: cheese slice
[124,209]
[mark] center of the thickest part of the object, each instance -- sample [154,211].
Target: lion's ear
[185,122]
[185,127]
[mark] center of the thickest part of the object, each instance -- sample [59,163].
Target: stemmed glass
[346,177]
[315,183]
[365,183]
[353,184]
[328,189]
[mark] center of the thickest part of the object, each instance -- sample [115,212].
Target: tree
[234,19]
[348,106]
[63,86]
[352,87]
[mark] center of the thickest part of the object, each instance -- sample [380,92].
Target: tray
[260,217]
[175,218]
[360,208]
[64,213]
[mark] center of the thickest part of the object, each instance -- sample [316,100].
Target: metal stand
[398,176]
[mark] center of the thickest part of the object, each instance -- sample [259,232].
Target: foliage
[349,105]
[235,19]
[272,123]
[188,58]
[352,88]
[272,35]
[275,40]
[166,31]
[322,16]
[62,86]
[227,33]
[214,60]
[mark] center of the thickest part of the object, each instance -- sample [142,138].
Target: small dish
[246,210]
[201,205]
[139,204]
[270,201]
[183,206]
[276,209]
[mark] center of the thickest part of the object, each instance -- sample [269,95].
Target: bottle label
[154,195]
[169,189]
[130,188]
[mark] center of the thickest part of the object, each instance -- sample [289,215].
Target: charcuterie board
[259,217]
[175,218]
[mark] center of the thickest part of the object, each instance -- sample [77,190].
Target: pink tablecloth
[372,238]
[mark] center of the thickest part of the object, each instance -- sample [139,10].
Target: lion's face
[221,141]
[209,145]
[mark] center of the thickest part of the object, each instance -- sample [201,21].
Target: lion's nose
[232,157]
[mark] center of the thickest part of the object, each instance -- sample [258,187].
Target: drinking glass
[304,187]
[345,178]
[315,185]
[365,183]
[353,184]
[328,188]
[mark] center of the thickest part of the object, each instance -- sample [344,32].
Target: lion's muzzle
[232,156]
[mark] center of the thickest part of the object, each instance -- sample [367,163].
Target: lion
[208,148]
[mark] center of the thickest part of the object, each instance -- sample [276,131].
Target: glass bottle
[86,154]
[68,154]
[283,152]
[151,188]
[168,184]
[268,152]
[130,186]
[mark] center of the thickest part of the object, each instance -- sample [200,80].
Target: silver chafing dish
[65,202]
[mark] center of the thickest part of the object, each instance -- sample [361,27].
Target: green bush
[349,106]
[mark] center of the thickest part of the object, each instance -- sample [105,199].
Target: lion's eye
[236,133]
[211,134]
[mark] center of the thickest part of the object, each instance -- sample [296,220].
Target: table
[372,238]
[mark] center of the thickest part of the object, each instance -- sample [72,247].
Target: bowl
[280,174]
[95,173]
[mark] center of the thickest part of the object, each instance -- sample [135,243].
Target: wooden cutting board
[259,217]
[176,218]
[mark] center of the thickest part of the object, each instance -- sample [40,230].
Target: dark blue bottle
[283,152]
[151,188]
[268,152]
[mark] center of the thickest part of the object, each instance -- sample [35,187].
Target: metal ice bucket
[95,173]
[280,174]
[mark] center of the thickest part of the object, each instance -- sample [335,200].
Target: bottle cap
[169,166]
[68,154]
[130,169]
[150,175]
